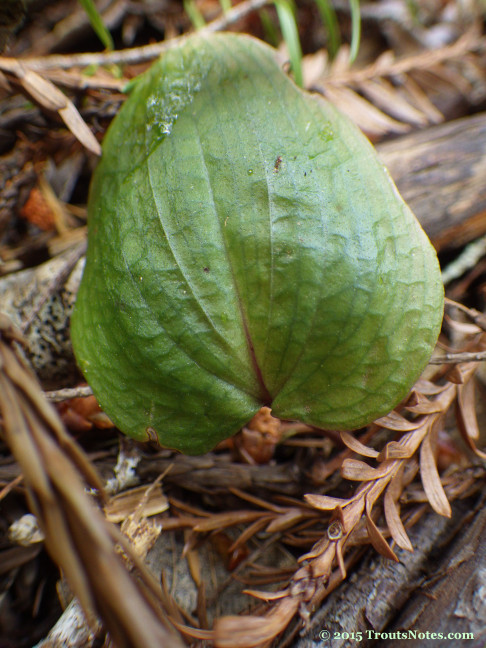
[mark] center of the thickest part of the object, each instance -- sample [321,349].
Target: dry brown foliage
[393,95]
[84,545]
[320,502]
[381,508]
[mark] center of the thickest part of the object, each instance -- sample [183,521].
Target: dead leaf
[80,414]
[325,502]
[455,375]
[429,388]
[51,98]
[37,211]
[358,447]
[392,511]
[422,405]
[430,478]
[359,471]
[466,404]
[78,127]
[267,596]
[376,538]
[287,520]
[121,506]
[421,100]
[394,421]
[41,90]
[224,520]
[370,119]
[253,631]
[467,421]
[193,561]
[395,450]
[245,535]
[382,93]
[466,328]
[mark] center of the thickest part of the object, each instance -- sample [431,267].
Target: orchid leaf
[246,248]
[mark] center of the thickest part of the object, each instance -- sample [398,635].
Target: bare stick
[131,55]
[456,358]
[60,395]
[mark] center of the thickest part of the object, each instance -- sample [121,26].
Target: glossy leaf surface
[246,248]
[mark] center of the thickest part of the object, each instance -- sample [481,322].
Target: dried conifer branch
[307,587]
[77,536]
[468,42]
[392,94]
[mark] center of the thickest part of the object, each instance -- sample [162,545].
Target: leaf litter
[281,506]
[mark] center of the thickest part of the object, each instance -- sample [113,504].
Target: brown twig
[457,358]
[130,55]
[60,395]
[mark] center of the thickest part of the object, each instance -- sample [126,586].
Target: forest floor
[159,547]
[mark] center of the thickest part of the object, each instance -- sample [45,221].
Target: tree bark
[440,588]
[441,174]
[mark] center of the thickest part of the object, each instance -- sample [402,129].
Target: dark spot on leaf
[277,164]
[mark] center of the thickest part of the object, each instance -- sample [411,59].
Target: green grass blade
[355,29]
[225,5]
[97,23]
[270,30]
[290,34]
[194,13]
[329,18]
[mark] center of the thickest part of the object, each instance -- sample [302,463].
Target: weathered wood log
[453,601]
[441,173]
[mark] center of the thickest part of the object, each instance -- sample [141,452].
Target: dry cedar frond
[350,522]
[396,467]
[392,95]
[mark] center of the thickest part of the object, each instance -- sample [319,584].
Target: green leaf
[246,248]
